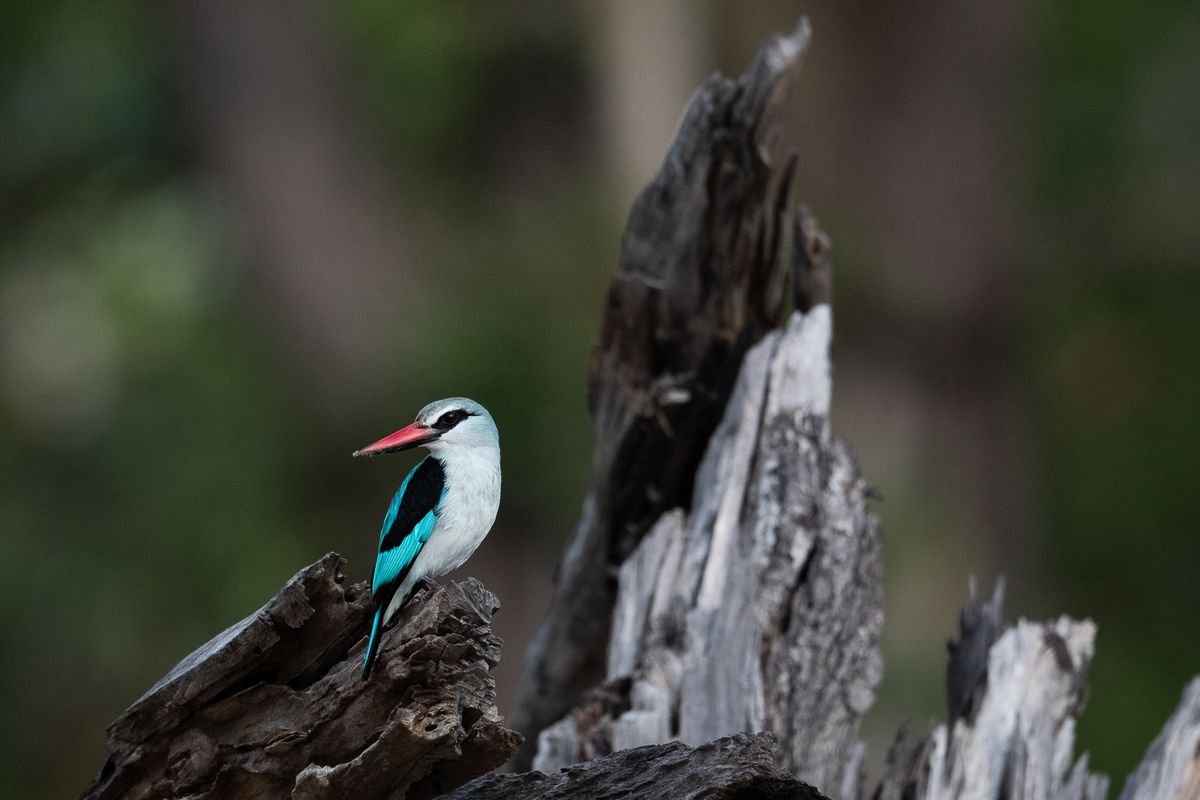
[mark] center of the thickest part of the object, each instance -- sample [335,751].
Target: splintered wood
[274,706]
[760,608]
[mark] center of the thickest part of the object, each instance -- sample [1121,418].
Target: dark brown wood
[738,767]
[274,705]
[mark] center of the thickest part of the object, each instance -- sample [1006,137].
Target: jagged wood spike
[697,286]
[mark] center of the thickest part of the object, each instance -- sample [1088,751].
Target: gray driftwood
[703,272]
[760,608]
[747,593]
[741,767]
[274,706]
[1014,698]
[725,572]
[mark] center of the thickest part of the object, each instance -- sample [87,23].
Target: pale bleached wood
[1170,770]
[703,270]
[1015,696]
[1020,742]
[755,604]
[759,608]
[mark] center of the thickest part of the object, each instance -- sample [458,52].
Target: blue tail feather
[373,642]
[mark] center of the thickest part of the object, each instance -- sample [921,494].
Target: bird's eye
[451,418]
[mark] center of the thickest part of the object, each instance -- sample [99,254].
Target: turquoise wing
[408,524]
[392,565]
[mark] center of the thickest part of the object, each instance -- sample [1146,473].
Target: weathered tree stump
[706,260]
[274,706]
[1014,698]
[747,593]
[760,609]
[725,574]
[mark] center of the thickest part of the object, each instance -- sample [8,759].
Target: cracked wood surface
[761,608]
[741,767]
[274,705]
[702,277]
[1015,696]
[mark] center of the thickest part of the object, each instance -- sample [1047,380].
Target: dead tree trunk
[747,592]
[703,275]
[725,574]
[760,609]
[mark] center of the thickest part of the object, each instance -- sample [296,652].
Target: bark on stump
[725,573]
[274,706]
[741,767]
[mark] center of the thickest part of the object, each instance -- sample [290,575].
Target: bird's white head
[455,424]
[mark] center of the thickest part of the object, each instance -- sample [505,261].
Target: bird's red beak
[412,436]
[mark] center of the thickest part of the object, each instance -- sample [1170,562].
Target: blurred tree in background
[1112,327]
[240,240]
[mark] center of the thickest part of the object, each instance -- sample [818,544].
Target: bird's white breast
[466,514]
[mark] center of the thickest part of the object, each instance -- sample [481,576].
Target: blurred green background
[239,240]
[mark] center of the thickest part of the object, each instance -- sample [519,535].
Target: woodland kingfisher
[442,510]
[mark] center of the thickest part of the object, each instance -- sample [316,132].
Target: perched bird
[444,508]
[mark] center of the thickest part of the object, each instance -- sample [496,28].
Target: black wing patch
[419,495]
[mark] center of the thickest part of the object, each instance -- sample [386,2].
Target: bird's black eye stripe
[451,418]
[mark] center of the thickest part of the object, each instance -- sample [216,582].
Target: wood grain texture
[274,706]
[703,269]
[1015,696]
[760,609]
[741,767]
